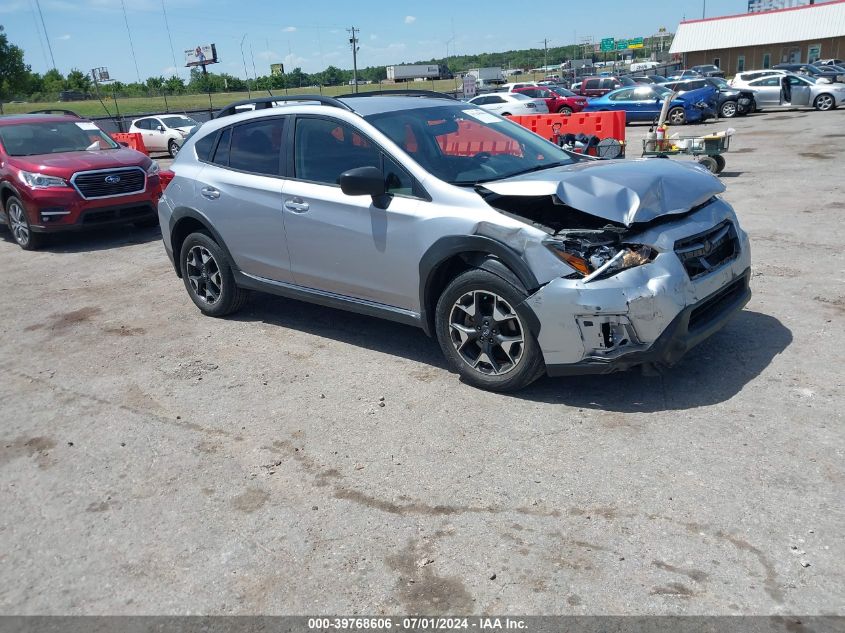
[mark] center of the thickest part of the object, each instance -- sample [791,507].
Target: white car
[791,90]
[520,84]
[164,133]
[506,103]
[741,80]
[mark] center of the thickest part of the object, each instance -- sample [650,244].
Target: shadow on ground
[100,239]
[713,372]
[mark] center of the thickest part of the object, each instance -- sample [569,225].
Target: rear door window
[221,155]
[591,84]
[256,146]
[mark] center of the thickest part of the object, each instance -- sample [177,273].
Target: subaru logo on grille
[112,180]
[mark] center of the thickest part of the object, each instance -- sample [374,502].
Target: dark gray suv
[520,258]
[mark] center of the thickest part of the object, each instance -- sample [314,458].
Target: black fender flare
[182,213]
[480,252]
[4,187]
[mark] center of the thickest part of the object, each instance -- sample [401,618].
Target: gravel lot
[156,461]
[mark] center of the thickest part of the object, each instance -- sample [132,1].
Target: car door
[623,100]
[145,127]
[767,91]
[348,245]
[648,103]
[240,190]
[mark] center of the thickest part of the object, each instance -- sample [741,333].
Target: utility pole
[353,41]
[703,9]
[246,73]
[545,55]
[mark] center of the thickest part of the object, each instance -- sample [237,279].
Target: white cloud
[63,38]
[410,19]
[289,29]
[269,56]
[373,37]
[293,61]
[170,71]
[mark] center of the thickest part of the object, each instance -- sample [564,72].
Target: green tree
[77,80]
[53,83]
[174,85]
[13,72]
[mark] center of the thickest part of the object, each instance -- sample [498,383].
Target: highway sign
[608,44]
[621,45]
[637,42]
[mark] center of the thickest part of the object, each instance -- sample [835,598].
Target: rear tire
[565,111]
[720,163]
[19,226]
[172,148]
[506,114]
[482,328]
[209,280]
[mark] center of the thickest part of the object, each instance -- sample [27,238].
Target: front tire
[676,116]
[728,110]
[824,103]
[482,328]
[565,111]
[19,225]
[173,148]
[208,277]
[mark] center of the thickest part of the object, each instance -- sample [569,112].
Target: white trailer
[409,72]
[489,75]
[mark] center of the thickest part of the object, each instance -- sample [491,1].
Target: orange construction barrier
[133,140]
[601,124]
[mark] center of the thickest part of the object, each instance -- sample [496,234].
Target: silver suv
[519,257]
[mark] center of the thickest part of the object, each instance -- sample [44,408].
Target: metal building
[759,40]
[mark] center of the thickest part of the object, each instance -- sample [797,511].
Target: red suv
[59,173]
[557,99]
[600,86]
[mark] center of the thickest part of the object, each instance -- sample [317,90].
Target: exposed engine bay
[594,247]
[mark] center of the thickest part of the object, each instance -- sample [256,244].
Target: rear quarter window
[205,146]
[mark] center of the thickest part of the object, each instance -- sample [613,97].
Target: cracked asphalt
[153,461]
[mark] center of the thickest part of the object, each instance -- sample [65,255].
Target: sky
[85,34]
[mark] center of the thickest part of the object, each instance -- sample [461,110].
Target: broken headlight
[592,258]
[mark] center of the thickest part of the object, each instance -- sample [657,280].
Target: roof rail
[399,92]
[261,103]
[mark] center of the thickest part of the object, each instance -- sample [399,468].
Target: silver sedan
[796,90]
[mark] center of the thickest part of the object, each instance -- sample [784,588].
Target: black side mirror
[160,128]
[363,181]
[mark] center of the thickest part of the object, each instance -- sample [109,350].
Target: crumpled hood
[626,192]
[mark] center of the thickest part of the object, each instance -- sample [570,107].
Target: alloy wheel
[486,332]
[677,117]
[728,109]
[204,274]
[18,224]
[824,102]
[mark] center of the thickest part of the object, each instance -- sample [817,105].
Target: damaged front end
[653,269]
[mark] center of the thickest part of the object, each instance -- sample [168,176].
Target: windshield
[31,139]
[465,146]
[178,121]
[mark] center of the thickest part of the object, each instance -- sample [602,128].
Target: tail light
[164,177]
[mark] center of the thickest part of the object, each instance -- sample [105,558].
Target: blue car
[643,103]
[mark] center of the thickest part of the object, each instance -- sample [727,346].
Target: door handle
[210,192]
[296,205]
